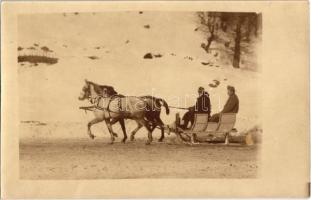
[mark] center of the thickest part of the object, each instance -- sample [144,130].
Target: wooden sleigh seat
[202,129]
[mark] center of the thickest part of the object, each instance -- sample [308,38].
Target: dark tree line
[239,27]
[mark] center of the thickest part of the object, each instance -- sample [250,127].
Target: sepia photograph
[139,95]
[154,100]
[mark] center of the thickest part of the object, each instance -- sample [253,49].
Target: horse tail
[159,102]
[165,105]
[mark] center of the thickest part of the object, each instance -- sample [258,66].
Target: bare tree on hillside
[208,20]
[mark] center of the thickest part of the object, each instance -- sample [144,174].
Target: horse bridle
[95,101]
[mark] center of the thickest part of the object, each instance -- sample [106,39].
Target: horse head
[92,90]
[85,93]
[106,90]
[88,91]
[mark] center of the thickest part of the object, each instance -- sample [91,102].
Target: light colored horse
[112,109]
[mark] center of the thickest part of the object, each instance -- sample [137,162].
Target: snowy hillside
[108,48]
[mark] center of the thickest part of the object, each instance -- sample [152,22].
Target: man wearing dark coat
[203,105]
[231,106]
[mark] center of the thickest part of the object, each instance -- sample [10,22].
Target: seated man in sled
[203,105]
[231,106]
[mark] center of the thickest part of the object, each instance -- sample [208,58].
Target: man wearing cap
[231,106]
[203,105]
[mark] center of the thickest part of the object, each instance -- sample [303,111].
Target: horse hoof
[92,137]
[148,143]
[160,140]
[115,135]
[132,138]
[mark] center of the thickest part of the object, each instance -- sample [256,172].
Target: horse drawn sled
[111,107]
[204,131]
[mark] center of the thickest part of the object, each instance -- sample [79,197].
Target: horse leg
[121,121]
[89,125]
[153,126]
[146,125]
[135,130]
[149,135]
[112,122]
[161,124]
[110,130]
[226,138]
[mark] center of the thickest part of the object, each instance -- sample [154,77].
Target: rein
[179,108]
[95,100]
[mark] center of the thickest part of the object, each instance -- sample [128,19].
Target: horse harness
[97,106]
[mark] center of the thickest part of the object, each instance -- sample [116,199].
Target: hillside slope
[118,41]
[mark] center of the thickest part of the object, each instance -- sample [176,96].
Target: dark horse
[107,96]
[153,115]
